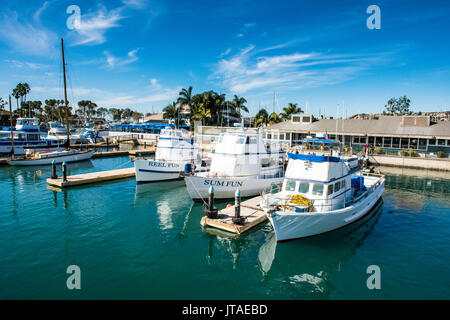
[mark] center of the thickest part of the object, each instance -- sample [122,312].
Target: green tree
[171,111]
[3,104]
[398,106]
[261,118]
[238,104]
[289,111]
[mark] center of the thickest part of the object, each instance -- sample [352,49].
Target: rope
[198,193]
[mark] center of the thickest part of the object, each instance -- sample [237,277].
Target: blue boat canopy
[324,141]
[313,158]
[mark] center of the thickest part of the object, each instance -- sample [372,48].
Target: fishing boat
[240,160]
[175,154]
[58,132]
[320,194]
[26,135]
[47,158]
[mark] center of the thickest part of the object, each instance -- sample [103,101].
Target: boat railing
[271,198]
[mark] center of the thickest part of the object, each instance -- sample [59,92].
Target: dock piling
[210,211]
[237,219]
[54,175]
[64,171]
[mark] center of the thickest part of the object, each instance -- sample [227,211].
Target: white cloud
[24,64]
[37,14]
[93,26]
[113,62]
[136,4]
[26,37]
[249,71]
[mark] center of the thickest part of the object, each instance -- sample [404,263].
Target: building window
[281,136]
[448,143]
[379,141]
[356,139]
[432,142]
[362,140]
[396,143]
[404,142]
[387,142]
[413,143]
[295,119]
[269,136]
[441,142]
[306,119]
[422,144]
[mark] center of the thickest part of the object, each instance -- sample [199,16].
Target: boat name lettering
[162,164]
[209,182]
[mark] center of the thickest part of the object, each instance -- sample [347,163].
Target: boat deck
[93,177]
[250,210]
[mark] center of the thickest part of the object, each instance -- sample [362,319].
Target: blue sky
[140,53]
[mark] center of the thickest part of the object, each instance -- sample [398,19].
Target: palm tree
[16,94]
[3,104]
[202,113]
[290,110]
[238,104]
[170,111]
[261,118]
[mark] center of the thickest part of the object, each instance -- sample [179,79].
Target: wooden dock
[119,153]
[93,177]
[250,210]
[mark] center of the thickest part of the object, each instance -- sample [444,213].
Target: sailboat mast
[11,125]
[65,94]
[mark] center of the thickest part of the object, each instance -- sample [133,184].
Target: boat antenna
[11,125]
[65,95]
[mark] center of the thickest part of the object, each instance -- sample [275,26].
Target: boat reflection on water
[305,264]
[164,196]
[312,261]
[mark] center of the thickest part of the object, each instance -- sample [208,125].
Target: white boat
[58,132]
[242,161]
[46,158]
[175,153]
[320,194]
[27,134]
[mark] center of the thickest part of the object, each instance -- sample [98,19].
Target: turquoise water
[145,242]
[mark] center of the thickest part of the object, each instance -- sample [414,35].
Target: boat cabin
[243,153]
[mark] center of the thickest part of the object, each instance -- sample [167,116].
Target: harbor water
[145,242]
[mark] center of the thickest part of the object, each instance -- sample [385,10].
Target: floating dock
[250,210]
[118,153]
[93,177]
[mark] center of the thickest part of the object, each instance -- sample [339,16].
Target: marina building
[390,134]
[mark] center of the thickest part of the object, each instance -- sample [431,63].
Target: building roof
[157,116]
[383,126]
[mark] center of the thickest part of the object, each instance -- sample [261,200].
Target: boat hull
[86,155]
[155,171]
[225,188]
[296,226]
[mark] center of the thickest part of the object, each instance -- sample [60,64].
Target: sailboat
[68,155]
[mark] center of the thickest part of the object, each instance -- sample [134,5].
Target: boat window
[247,140]
[240,140]
[317,189]
[252,140]
[303,187]
[290,185]
[337,186]
[343,184]
[330,189]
